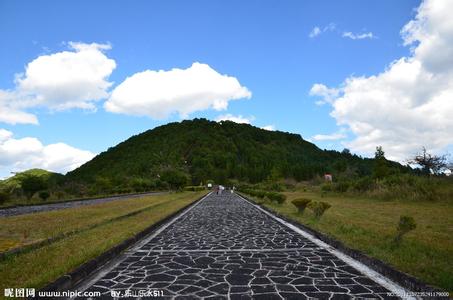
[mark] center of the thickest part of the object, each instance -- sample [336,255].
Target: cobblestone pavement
[226,248]
[22,210]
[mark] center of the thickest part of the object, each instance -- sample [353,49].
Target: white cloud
[269,127]
[328,95]
[329,137]
[12,115]
[316,31]
[237,119]
[158,94]
[59,81]
[409,104]
[26,153]
[242,120]
[358,36]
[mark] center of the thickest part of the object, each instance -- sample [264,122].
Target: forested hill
[206,150]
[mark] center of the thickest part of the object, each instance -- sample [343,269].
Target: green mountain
[15,182]
[204,150]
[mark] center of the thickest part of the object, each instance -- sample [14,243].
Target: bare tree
[429,163]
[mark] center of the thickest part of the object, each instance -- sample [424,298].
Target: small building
[328,177]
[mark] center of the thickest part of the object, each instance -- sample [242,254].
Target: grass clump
[276,197]
[301,204]
[406,224]
[319,208]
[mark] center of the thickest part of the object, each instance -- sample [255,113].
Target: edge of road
[380,272]
[81,202]
[91,267]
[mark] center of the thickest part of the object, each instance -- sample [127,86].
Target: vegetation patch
[41,266]
[368,224]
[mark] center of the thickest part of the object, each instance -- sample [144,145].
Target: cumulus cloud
[242,120]
[269,127]
[12,115]
[26,153]
[358,36]
[237,119]
[329,137]
[59,81]
[409,104]
[328,95]
[158,94]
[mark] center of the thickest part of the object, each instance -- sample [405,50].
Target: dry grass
[370,225]
[41,266]
[21,230]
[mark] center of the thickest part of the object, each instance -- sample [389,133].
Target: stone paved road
[22,210]
[226,248]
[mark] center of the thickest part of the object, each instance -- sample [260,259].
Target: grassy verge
[18,202]
[41,266]
[21,230]
[370,225]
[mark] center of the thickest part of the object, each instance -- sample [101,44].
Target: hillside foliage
[201,150]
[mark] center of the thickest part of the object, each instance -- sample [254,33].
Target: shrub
[194,188]
[44,195]
[319,208]
[326,187]
[342,186]
[141,184]
[4,196]
[363,184]
[277,197]
[255,193]
[276,186]
[260,194]
[31,184]
[405,225]
[301,204]
[175,179]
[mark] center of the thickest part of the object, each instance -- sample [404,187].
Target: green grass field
[98,228]
[369,225]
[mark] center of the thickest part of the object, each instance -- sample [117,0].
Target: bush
[194,188]
[260,194]
[301,204]
[342,186]
[319,208]
[4,196]
[44,195]
[276,186]
[255,193]
[31,184]
[326,187]
[277,197]
[405,225]
[363,184]
[141,185]
[175,179]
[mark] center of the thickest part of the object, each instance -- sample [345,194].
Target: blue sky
[265,45]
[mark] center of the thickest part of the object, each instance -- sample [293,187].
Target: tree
[31,184]
[44,195]
[176,179]
[380,163]
[429,163]
[346,151]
